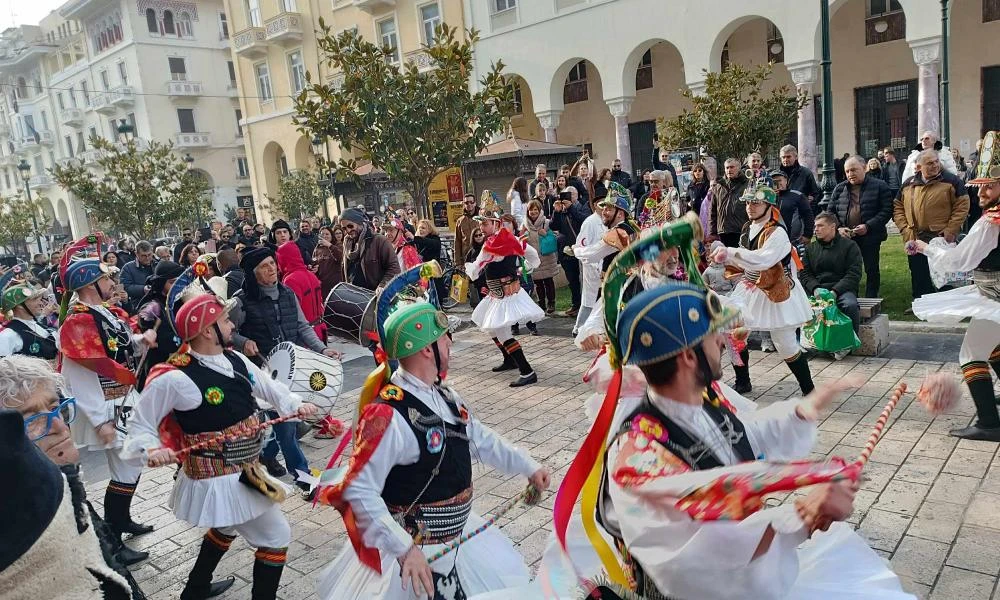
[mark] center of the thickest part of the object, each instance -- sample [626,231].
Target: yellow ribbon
[608,557]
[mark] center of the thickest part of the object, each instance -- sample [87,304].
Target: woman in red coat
[296,277]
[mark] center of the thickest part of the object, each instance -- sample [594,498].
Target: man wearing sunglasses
[99,357]
[29,386]
[370,261]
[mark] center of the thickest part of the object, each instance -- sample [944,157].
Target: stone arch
[524,122]
[62,213]
[631,63]
[558,81]
[303,154]
[741,25]
[923,20]
[271,161]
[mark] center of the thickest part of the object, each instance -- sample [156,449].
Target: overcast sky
[25,12]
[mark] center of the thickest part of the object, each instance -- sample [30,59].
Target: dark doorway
[885,115]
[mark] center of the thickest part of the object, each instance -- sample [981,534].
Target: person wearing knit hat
[369,258]
[25,332]
[768,291]
[152,316]
[412,479]
[281,232]
[266,313]
[193,398]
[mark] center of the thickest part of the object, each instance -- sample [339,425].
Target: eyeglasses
[39,425]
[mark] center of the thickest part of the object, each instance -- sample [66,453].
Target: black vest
[269,322]
[120,332]
[746,242]
[992,260]
[503,269]
[627,228]
[235,393]
[454,473]
[31,343]
[167,343]
[693,453]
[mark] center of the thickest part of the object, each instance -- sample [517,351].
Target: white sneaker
[839,355]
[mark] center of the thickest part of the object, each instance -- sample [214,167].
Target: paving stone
[883,529]
[976,549]
[957,489]
[959,584]
[920,469]
[984,510]
[938,521]
[968,462]
[902,497]
[919,559]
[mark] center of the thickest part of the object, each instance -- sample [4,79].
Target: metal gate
[885,115]
[991,99]
[641,139]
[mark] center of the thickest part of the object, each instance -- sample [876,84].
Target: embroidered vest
[776,281]
[117,335]
[225,401]
[33,344]
[695,453]
[445,463]
[630,232]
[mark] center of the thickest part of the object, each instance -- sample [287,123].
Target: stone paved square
[928,503]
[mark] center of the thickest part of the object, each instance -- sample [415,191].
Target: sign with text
[445,188]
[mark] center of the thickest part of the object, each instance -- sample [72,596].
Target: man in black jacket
[134,274]
[661,162]
[728,213]
[863,206]
[583,196]
[800,178]
[795,210]
[620,177]
[568,214]
[833,262]
[307,240]
[229,264]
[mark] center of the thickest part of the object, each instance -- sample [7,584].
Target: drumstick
[880,424]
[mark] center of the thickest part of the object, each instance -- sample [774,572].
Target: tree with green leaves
[16,223]
[734,117]
[408,122]
[142,189]
[299,196]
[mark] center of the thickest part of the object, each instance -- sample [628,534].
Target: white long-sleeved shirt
[399,446]
[474,268]
[966,256]
[591,233]
[10,341]
[85,384]
[775,248]
[685,557]
[174,390]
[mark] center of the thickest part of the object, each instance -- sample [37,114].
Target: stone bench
[874,328]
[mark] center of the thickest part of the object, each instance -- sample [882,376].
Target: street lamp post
[25,170]
[197,206]
[945,102]
[828,175]
[321,151]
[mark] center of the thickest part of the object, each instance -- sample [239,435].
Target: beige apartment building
[274,46]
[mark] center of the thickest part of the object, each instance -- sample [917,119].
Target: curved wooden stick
[880,424]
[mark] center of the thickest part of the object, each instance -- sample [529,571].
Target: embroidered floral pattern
[435,440]
[179,360]
[392,393]
[650,427]
[214,396]
[112,344]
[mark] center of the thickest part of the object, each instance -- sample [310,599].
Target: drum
[349,313]
[316,377]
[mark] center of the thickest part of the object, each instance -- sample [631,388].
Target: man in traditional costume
[505,259]
[98,360]
[979,252]
[672,497]
[620,231]
[208,393]
[408,490]
[591,231]
[768,292]
[25,332]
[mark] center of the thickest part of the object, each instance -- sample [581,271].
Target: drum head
[349,312]
[315,377]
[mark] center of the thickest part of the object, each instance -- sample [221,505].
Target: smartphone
[565,195]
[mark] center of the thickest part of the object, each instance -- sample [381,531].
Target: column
[549,120]
[698,88]
[927,55]
[804,77]
[620,107]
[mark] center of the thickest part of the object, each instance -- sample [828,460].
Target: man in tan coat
[932,203]
[464,227]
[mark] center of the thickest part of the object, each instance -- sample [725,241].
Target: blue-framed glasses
[39,425]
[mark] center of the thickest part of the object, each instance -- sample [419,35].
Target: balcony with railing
[420,58]
[122,96]
[375,7]
[199,139]
[184,89]
[42,180]
[885,27]
[102,103]
[89,157]
[286,28]
[72,117]
[251,42]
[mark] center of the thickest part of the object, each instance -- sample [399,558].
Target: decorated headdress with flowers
[988,169]
[81,266]
[490,208]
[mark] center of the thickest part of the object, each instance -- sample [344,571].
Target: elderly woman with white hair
[77,553]
[930,141]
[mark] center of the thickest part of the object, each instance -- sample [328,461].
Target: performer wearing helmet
[978,252]
[199,395]
[504,259]
[25,332]
[408,490]
[615,210]
[98,360]
[724,544]
[768,292]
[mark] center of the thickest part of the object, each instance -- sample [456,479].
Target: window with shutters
[644,74]
[263,82]
[185,118]
[178,70]
[502,5]
[242,167]
[296,71]
[430,18]
[884,21]
[575,89]
[991,10]
[223,27]
[152,24]
[168,23]
[390,39]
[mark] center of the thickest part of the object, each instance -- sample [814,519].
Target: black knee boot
[799,366]
[508,362]
[528,376]
[995,360]
[118,506]
[267,566]
[987,425]
[199,584]
[742,384]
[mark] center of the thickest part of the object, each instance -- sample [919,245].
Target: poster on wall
[445,188]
